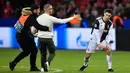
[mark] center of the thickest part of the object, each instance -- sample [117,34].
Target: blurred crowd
[88,9]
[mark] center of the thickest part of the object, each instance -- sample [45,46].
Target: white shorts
[92,46]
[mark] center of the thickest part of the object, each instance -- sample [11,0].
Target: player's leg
[86,60]
[109,58]
[22,55]
[51,49]
[33,56]
[43,52]
[90,49]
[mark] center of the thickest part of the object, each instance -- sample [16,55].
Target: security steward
[25,38]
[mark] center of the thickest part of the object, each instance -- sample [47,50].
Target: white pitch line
[15,67]
[54,69]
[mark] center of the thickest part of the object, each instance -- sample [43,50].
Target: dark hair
[108,10]
[34,6]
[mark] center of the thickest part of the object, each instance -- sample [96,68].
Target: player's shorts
[92,46]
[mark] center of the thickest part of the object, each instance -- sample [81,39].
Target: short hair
[34,6]
[108,10]
[46,6]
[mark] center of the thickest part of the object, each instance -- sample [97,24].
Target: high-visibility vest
[76,21]
[23,18]
[115,18]
[20,23]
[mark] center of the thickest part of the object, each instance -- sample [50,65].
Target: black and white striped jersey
[101,30]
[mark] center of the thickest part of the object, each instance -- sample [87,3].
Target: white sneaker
[47,63]
[42,70]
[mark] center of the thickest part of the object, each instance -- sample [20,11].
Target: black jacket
[31,21]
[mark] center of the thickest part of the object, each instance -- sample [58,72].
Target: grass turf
[68,61]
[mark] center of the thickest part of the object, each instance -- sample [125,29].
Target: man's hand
[100,46]
[107,46]
[33,30]
[76,16]
[50,29]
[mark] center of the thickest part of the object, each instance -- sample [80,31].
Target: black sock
[50,58]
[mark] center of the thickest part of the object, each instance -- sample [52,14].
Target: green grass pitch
[68,61]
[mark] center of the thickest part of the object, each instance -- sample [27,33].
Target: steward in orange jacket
[25,38]
[117,21]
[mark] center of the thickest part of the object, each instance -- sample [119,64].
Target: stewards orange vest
[23,18]
[76,21]
[115,18]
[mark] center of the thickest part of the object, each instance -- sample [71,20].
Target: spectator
[117,21]
[76,22]
[115,7]
[71,9]
[8,10]
[125,1]
[82,2]
[127,10]
[109,5]
[61,13]
[94,13]
[37,2]
[17,12]
[1,7]
[54,2]
[120,8]
[86,16]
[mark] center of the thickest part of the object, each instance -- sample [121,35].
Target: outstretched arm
[56,20]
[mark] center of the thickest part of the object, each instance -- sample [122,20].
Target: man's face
[107,16]
[50,9]
[38,11]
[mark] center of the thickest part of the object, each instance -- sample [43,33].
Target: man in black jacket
[26,39]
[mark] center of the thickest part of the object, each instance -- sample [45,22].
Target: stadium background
[70,40]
